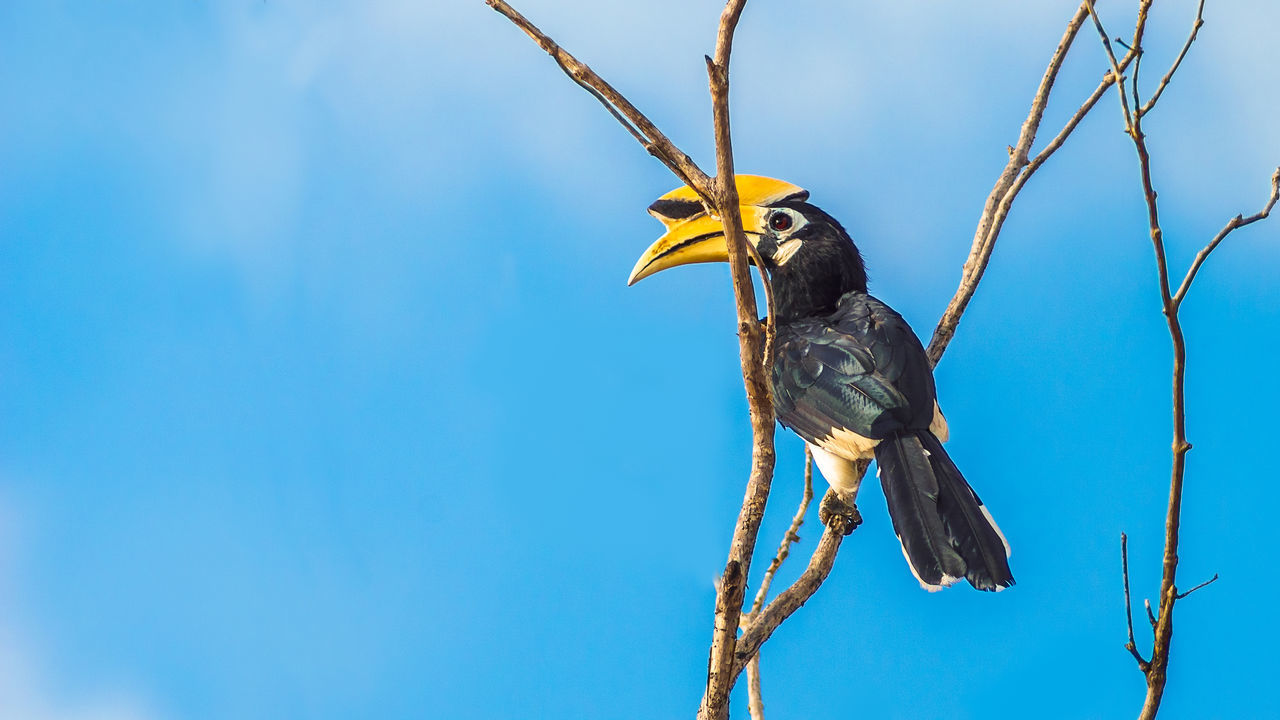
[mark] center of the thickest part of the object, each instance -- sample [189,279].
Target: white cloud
[30,689]
[423,101]
[26,693]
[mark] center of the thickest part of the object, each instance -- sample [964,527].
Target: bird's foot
[842,517]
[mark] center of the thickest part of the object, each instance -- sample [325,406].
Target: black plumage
[848,373]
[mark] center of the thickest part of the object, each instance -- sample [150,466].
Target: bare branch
[1134,49]
[1015,175]
[1067,129]
[728,26]
[722,668]
[721,195]
[1204,584]
[770,331]
[622,110]
[1133,128]
[1164,82]
[789,600]
[1131,646]
[1137,70]
[792,536]
[1156,669]
[755,702]
[755,698]
[762,624]
[1238,221]
[1151,616]
[729,654]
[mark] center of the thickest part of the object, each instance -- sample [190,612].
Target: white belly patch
[849,445]
[836,453]
[841,474]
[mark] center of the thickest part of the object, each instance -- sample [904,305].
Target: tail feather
[973,531]
[929,499]
[911,490]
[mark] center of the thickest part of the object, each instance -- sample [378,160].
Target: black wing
[860,369]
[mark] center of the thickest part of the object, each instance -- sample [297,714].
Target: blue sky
[322,394]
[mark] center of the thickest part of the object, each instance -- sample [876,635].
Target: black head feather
[809,279]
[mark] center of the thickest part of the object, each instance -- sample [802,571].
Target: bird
[848,375]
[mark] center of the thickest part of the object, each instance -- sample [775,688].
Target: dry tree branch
[1013,178]
[720,194]
[755,701]
[1134,49]
[1155,670]
[791,537]
[755,697]
[730,654]
[1132,645]
[1238,221]
[1011,181]
[635,122]
[789,600]
[1164,82]
[1204,584]
[751,342]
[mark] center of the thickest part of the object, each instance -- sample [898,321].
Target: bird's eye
[780,221]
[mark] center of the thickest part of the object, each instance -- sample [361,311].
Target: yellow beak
[693,236]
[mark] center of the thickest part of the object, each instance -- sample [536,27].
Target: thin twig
[622,110]
[1014,177]
[1204,584]
[1156,669]
[1139,29]
[1164,82]
[789,600]
[1066,131]
[770,330]
[1131,646]
[1137,70]
[755,698]
[1011,181]
[729,655]
[792,536]
[1151,616]
[1236,222]
[1135,49]
[755,702]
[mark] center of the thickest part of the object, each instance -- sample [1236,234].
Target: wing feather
[859,370]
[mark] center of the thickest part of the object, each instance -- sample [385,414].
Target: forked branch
[1155,669]
[1235,223]
[729,653]
[755,700]
[1014,177]
[720,195]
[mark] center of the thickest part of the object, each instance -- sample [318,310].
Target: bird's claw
[840,516]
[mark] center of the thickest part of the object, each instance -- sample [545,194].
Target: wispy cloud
[30,686]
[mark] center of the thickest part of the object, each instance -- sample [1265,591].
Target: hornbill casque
[849,375]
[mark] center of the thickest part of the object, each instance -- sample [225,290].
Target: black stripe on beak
[676,209]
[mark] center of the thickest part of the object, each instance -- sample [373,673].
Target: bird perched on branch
[849,375]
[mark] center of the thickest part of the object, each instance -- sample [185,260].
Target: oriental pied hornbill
[849,375]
